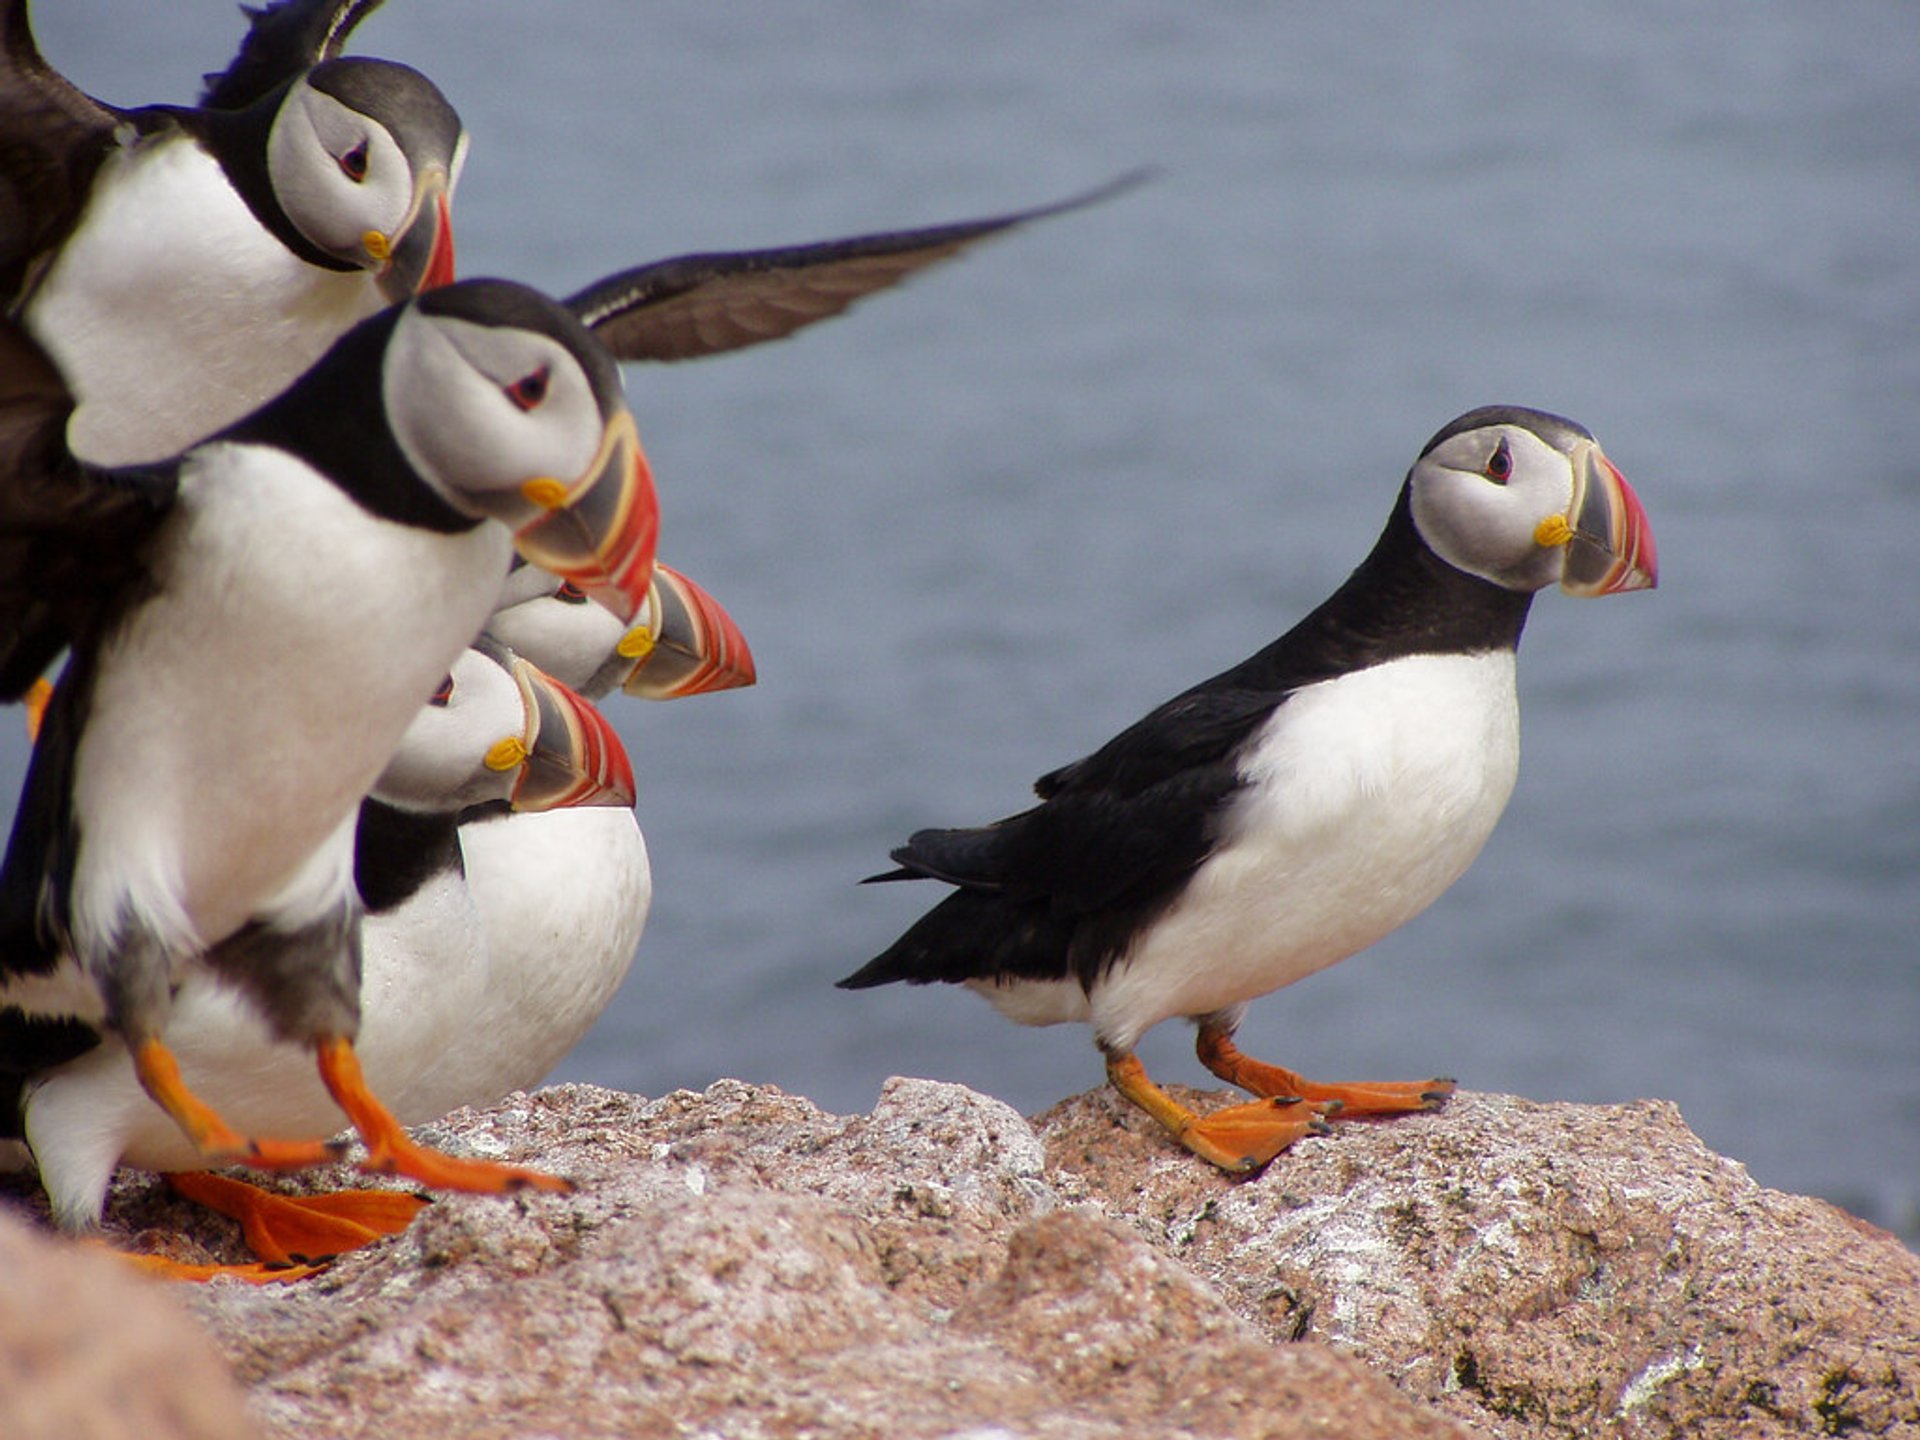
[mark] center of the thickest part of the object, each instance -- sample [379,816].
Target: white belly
[242,711]
[1367,797]
[172,313]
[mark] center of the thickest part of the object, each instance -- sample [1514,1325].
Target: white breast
[564,897]
[1367,796]
[172,313]
[242,711]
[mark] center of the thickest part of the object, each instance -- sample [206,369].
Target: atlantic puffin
[1293,809]
[681,640]
[183,264]
[498,744]
[253,625]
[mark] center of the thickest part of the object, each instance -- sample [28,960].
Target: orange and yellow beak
[601,531]
[687,644]
[567,754]
[1609,541]
[419,255]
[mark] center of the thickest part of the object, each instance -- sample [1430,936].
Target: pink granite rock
[739,1263]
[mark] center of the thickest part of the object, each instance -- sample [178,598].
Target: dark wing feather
[1196,728]
[70,534]
[52,140]
[283,40]
[1058,890]
[694,305]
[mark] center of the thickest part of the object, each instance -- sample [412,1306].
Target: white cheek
[327,207]
[455,424]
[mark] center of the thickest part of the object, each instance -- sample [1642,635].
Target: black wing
[52,140]
[283,39]
[694,305]
[70,534]
[1058,890]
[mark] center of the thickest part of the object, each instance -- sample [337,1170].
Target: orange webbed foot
[302,1229]
[161,1267]
[1240,1139]
[1243,1138]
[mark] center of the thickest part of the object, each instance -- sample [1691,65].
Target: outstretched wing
[52,140]
[694,305]
[283,39]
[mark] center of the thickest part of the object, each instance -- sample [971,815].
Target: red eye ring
[530,389]
[443,696]
[353,164]
[570,593]
[1500,464]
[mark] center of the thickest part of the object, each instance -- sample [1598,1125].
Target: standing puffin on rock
[253,626]
[1296,808]
[182,264]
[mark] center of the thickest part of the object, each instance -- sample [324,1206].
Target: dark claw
[337,1148]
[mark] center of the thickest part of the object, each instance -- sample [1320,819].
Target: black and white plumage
[1296,808]
[446,955]
[184,264]
[253,626]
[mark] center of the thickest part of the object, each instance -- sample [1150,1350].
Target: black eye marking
[571,593]
[353,164]
[529,390]
[444,695]
[1500,465]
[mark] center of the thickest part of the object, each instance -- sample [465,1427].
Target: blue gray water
[980,524]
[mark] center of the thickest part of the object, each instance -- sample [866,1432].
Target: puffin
[1295,808]
[497,745]
[681,641]
[252,626]
[184,264]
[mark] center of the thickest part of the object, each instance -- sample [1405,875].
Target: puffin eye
[530,389]
[444,695]
[353,164]
[571,593]
[1500,465]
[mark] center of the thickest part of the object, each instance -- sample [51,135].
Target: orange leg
[1219,1054]
[302,1229]
[160,1076]
[391,1152]
[1239,1139]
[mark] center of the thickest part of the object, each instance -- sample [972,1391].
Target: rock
[740,1263]
[91,1351]
[1539,1270]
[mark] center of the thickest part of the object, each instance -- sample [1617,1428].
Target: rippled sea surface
[980,524]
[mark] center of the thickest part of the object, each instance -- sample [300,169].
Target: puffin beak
[419,255]
[686,644]
[601,531]
[569,754]
[1609,542]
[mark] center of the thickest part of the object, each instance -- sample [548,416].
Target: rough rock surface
[739,1263]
